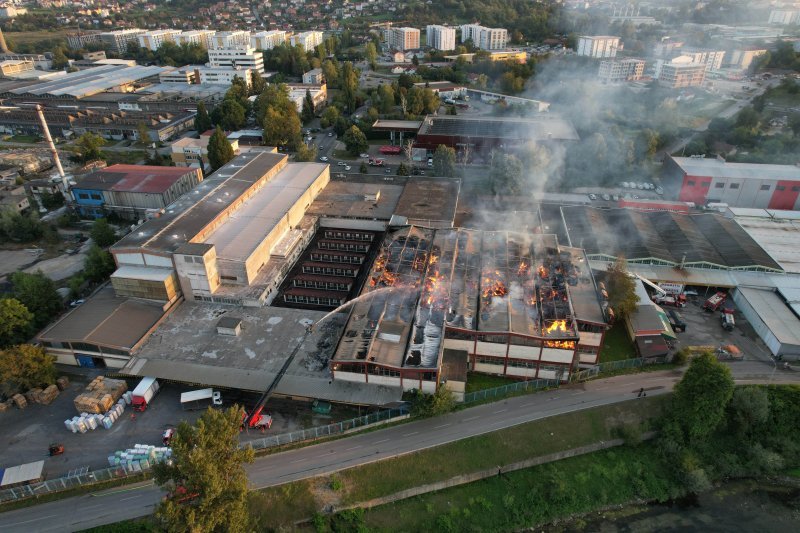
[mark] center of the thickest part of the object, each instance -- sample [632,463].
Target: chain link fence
[338,428]
[67,482]
[505,390]
[611,366]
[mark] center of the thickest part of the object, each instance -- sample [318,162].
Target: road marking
[353,448]
[33,520]
[410,434]
[381,441]
[470,418]
[442,426]
[500,411]
[130,497]
[299,460]
[576,393]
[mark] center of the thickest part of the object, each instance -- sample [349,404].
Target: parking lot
[704,328]
[27,434]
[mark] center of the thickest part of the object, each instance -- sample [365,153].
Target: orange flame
[542,271]
[523,268]
[556,325]
[564,345]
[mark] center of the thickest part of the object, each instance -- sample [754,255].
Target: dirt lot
[704,329]
[26,434]
[13,260]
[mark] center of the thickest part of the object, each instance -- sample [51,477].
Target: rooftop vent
[229,325]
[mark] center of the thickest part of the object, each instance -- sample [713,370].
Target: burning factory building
[508,303]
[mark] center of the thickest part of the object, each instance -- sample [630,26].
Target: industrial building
[506,303]
[773,313]
[598,46]
[704,180]
[777,232]
[485,133]
[665,238]
[132,191]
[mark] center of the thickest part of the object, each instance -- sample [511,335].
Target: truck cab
[676,320]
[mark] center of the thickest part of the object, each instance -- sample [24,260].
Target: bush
[335,483]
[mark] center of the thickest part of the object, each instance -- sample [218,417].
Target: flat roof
[144,273]
[246,228]
[774,312]
[134,178]
[346,199]
[697,166]
[22,473]
[91,81]
[106,320]
[432,199]
[187,216]
[394,125]
[187,348]
[515,128]
[664,235]
[780,238]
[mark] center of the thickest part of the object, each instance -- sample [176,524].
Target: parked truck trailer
[200,399]
[143,393]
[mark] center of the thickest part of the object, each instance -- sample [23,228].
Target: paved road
[113,505]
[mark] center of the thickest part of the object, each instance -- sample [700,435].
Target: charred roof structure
[665,238]
[502,298]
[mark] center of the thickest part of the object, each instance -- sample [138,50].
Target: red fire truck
[715,302]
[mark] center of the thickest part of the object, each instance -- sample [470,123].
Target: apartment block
[201,37]
[440,37]
[314,77]
[712,59]
[742,59]
[680,72]
[598,46]
[117,41]
[245,57]
[267,40]
[229,39]
[403,38]
[485,38]
[79,40]
[307,40]
[614,71]
[152,40]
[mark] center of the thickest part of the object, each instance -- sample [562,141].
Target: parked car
[347,167]
[324,159]
[364,155]
[341,163]
[592,196]
[606,197]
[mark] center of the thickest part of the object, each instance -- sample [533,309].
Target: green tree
[60,60]
[747,118]
[38,294]
[206,480]
[15,322]
[371,54]
[99,264]
[329,117]
[229,114]
[24,366]
[330,69]
[355,140]
[505,173]
[749,410]
[143,133]
[220,150]
[307,114]
[102,233]
[439,403]
[17,227]
[794,124]
[363,168]
[305,153]
[402,170]
[52,200]
[622,297]
[349,86]
[701,397]
[444,161]
[257,84]
[386,98]
[88,146]
[202,122]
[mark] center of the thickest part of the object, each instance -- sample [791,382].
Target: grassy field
[477,382]
[533,496]
[616,345]
[131,157]
[25,37]
[280,506]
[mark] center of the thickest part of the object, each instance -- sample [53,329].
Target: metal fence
[66,483]
[611,366]
[505,390]
[325,431]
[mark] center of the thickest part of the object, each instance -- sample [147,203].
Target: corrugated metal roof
[773,311]
[695,166]
[22,473]
[91,81]
[134,178]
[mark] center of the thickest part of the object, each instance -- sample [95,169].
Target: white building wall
[759,326]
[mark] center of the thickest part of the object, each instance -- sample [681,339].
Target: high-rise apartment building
[229,39]
[308,40]
[403,38]
[485,38]
[440,37]
[267,40]
[712,59]
[598,46]
[152,40]
[618,70]
[117,41]
[201,37]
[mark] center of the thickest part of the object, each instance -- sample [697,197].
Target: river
[742,506]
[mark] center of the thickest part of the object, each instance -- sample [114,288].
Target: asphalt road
[104,507]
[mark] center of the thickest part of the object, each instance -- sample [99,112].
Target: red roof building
[132,191]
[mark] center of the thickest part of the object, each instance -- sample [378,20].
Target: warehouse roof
[90,81]
[134,178]
[347,199]
[674,238]
[429,199]
[183,219]
[513,128]
[697,166]
[780,238]
[106,320]
[775,314]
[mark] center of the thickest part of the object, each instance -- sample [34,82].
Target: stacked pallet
[89,422]
[140,457]
[47,395]
[20,401]
[100,395]
[62,383]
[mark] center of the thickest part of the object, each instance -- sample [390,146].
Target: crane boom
[646,281]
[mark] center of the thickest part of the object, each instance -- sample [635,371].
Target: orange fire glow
[564,345]
[523,268]
[556,325]
[493,285]
[542,271]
